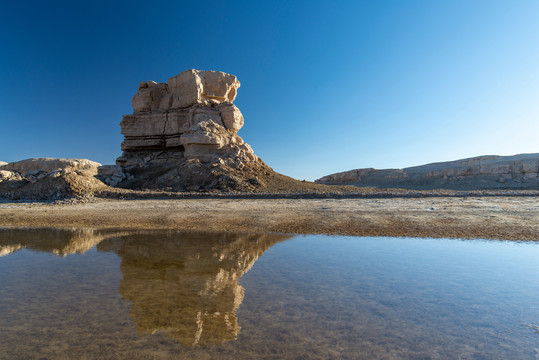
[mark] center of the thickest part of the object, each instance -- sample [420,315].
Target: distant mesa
[482,172]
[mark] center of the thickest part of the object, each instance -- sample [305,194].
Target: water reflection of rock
[186,285]
[60,242]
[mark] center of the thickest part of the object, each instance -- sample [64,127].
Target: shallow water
[88,294]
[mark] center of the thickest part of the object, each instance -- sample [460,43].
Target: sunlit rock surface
[182,136]
[48,178]
[483,172]
[169,117]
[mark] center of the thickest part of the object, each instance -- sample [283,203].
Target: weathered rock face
[46,178]
[33,166]
[186,89]
[182,135]
[165,116]
[483,172]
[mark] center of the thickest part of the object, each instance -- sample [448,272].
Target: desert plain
[488,217]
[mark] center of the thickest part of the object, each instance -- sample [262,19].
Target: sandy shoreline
[514,218]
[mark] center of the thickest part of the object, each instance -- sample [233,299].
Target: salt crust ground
[488,217]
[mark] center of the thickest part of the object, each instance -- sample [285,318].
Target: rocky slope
[47,178]
[482,172]
[182,136]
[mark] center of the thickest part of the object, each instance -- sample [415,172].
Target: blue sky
[327,86]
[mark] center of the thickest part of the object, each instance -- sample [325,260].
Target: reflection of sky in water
[329,297]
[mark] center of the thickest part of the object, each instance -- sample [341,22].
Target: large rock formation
[182,135]
[191,115]
[483,172]
[48,178]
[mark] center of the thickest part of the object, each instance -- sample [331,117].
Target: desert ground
[487,217]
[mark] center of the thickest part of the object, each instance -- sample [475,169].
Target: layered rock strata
[483,172]
[182,135]
[191,115]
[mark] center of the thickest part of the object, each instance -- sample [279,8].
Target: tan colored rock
[231,116]
[204,139]
[149,96]
[7,175]
[167,117]
[47,179]
[202,87]
[2,163]
[189,142]
[189,88]
[34,165]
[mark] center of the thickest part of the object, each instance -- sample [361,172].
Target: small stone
[119,174]
[116,179]
[4,174]
[255,180]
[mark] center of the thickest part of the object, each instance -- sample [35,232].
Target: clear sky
[327,86]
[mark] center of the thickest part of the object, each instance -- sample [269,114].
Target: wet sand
[504,217]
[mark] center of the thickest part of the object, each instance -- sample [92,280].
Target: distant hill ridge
[482,172]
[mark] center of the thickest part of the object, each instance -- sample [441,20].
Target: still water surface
[89,294]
